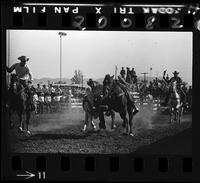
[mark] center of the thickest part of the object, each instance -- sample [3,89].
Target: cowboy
[126,88]
[92,83]
[99,105]
[123,72]
[133,75]
[89,110]
[128,75]
[96,90]
[24,75]
[178,81]
[23,72]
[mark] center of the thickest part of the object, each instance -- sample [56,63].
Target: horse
[18,101]
[100,105]
[118,101]
[175,104]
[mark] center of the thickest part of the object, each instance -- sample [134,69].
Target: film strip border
[109,167]
[76,17]
[104,17]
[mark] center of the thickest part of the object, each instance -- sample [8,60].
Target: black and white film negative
[100,92]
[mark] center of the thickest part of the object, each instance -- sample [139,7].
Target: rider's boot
[135,109]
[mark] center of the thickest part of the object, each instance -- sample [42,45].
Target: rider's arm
[30,74]
[11,68]
[165,79]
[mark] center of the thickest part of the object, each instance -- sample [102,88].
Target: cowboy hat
[23,58]
[175,72]
[90,81]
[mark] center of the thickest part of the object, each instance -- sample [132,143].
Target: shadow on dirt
[180,143]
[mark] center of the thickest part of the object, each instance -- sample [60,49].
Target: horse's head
[107,85]
[13,78]
[14,81]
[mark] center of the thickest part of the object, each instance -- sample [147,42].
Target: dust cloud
[57,121]
[144,118]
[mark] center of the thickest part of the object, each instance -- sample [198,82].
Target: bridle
[16,80]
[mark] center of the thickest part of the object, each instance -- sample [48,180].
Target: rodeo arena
[127,112]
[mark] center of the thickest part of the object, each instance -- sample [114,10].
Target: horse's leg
[28,115]
[90,120]
[171,115]
[102,122]
[125,121]
[21,127]
[86,122]
[9,118]
[176,115]
[113,119]
[130,113]
[92,123]
[180,114]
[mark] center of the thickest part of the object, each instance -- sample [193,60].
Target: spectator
[128,75]
[58,91]
[38,89]
[45,90]
[51,90]
[123,73]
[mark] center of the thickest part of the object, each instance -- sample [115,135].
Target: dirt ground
[61,133]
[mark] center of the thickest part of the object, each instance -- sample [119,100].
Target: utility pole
[145,80]
[115,72]
[61,34]
[150,74]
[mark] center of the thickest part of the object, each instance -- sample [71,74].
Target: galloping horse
[175,104]
[118,101]
[19,102]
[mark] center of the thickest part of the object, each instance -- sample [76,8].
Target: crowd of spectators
[56,90]
[156,87]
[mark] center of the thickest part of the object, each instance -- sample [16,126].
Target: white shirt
[23,73]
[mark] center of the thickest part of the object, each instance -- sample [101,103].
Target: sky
[96,53]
